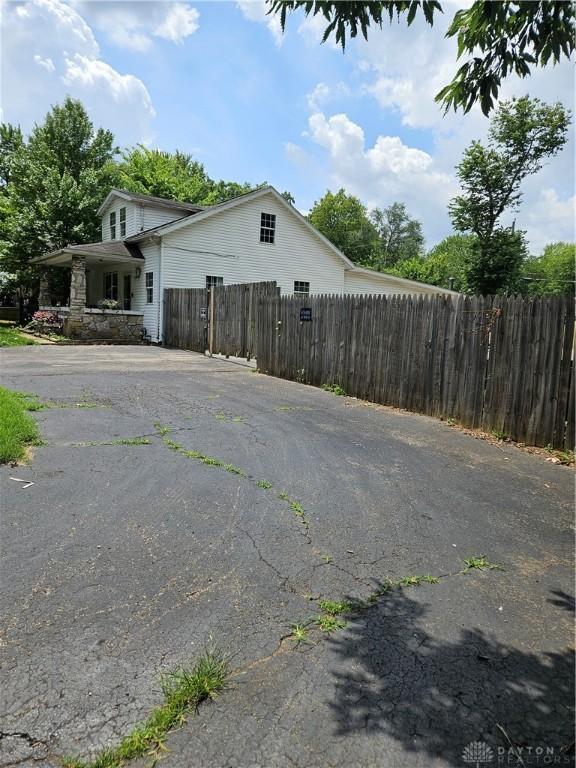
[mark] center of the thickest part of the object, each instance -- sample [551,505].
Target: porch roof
[110,251]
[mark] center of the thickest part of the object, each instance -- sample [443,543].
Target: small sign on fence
[305,314]
[203,313]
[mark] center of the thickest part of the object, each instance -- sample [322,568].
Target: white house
[149,244]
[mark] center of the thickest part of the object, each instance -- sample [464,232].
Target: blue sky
[219,80]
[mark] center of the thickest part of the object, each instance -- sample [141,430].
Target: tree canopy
[400,236]
[523,134]
[343,219]
[445,265]
[552,272]
[174,175]
[511,37]
[51,186]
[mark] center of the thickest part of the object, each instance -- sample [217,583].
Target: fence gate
[222,320]
[186,318]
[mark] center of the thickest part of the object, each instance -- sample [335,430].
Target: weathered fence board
[185,318]
[234,314]
[496,363]
[188,314]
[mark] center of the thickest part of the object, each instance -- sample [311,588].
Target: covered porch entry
[104,290]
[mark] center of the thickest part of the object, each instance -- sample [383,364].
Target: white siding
[132,218]
[228,245]
[155,217]
[151,253]
[360,282]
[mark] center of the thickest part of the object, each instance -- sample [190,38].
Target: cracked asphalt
[123,561]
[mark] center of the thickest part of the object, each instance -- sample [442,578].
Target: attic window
[267,227]
[113,225]
[122,222]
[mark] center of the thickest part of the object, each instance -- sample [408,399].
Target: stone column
[77,296]
[44,297]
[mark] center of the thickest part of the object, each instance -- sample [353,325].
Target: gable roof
[156,202]
[213,210]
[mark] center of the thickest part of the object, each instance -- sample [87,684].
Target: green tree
[174,175]
[445,265]
[343,219]
[510,36]
[552,272]
[523,134]
[56,180]
[400,236]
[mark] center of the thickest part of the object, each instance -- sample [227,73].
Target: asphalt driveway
[124,560]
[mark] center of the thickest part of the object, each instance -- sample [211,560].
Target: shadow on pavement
[435,697]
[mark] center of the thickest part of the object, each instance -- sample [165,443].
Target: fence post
[211,299]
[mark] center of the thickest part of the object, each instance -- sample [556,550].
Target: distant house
[149,244]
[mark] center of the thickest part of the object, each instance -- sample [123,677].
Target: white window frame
[122,218]
[300,291]
[213,280]
[267,228]
[109,293]
[149,285]
[112,225]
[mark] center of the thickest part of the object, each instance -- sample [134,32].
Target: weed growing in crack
[480,562]
[297,508]
[162,429]
[327,558]
[300,634]
[327,623]
[335,607]
[415,581]
[130,441]
[184,690]
[174,446]
[264,484]
[283,496]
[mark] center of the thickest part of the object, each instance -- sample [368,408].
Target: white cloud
[50,52]
[322,94]
[256,10]
[550,219]
[134,25]
[311,29]
[386,172]
[47,63]
[181,21]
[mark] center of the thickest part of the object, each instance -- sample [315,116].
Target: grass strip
[18,430]
[184,689]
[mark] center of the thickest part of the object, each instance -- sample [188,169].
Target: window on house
[113,225]
[149,287]
[213,280]
[301,288]
[111,285]
[267,227]
[122,222]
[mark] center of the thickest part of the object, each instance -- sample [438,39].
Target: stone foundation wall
[105,325]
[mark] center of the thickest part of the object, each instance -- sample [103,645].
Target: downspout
[159,328]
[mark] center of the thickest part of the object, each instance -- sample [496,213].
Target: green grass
[161,429]
[210,461]
[184,690]
[264,484]
[18,430]
[481,563]
[11,337]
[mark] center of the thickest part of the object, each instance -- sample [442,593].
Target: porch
[104,296]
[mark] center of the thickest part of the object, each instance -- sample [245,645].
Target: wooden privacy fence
[493,363]
[233,314]
[222,319]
